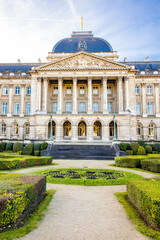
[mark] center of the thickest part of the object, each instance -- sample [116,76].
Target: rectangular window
[55,90]
[149,90]
[16,108]
[5,90]
[28,108]
[82,107]
[28,90]
[95,90]
[68,107]
[109,90]
[138,108]
[95,107]
[4,108]
[81,90]
[109,107]
[17,90]
[55,107]
[69,90]
[136,89]
[150,108]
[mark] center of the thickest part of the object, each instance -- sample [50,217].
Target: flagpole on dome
[82,24]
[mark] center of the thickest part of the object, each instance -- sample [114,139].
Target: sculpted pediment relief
[83,61]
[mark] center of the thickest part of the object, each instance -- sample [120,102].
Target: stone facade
[82,90]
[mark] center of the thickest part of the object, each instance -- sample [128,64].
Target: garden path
[85,213]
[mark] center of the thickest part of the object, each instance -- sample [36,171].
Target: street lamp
[51,135]
[115,137]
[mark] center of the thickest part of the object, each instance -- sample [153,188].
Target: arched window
[97,129]
[15,128]
[67,129]
[139,130]
[3,129]
[27,128]
[53,129]
[152,130]
[82,129]
[111,129]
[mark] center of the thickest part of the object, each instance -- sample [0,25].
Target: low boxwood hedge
[152,165]
[19,193]
[129,161]
[129,152]
[144,195]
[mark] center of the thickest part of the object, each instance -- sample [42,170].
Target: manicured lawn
[32,222]
[87,177]
[141,226]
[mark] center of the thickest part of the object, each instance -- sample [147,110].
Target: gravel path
[85,213]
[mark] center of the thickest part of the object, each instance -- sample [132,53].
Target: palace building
[82,85]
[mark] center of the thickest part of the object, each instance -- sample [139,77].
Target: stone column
[22,111]
[74,111]
[60,81]
[104,103]
[45,94]
[144,102]
[90,109]
[74,133]
[126,94]
[156,85]
[39,94]
[89,133]
[34,95]
[10,101]
[120,95]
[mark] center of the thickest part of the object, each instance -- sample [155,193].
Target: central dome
[82,41]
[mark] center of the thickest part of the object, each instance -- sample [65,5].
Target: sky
[30,28]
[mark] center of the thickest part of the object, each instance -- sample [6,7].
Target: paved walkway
[85,213]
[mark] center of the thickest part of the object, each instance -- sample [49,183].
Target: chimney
[146,59]
[125,59]
[18,61]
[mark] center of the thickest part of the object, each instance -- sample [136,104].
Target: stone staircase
[83,151]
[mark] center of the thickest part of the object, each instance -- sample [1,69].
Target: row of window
[17,91]
[82,90]
[151,130]
[15,129]
[82,107]
[16,108]
[149,108]
[149,90]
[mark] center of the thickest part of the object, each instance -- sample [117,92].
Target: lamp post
[115,137]
[51,136]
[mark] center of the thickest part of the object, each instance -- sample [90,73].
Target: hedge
[134,147]
[17,147]
[9,146]
[22,162]
[123,146]
[152,165]
[37,147]
[129,152]
[19,193]
[44,145]
[148,149]
[141,151]
[144,195]
[130,162]
[29,149]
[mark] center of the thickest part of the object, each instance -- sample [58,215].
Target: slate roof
[142,66]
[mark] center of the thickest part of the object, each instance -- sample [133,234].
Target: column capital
[120,78]
[60,78]
[125,78]
[105,78]
[23,85]
[10,85]
[45,79]
[74,78]
[39,79]
[90,78]
[156,84]
[143,84]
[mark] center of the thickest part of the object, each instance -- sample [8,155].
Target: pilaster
[105,100]
[144,102]
[10,101]
[22,100]
[45,95]
[156,85]
[90,108]
[120,95]
[60,81]
[74,96]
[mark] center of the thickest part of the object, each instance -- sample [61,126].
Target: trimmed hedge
[9,146]
[152,165]
[148,149]
[17,147]
[144,195]
[19,193]
[37,153]
[130,162]
[37,147]
[141,151]
[29,149]
[3,146]
[129,152]
[123,146]
[44,146]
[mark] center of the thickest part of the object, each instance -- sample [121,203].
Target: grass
[89,182]
[137,169]
[141,226]
[32,223]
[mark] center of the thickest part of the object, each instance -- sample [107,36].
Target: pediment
[82,60]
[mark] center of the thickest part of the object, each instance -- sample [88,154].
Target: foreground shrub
[123,146]
[152,165]
[156,147]
[141,143]
[9,146]
[148,149]
[44,145]
[3,146]
[141,151]
[144,195]
[37,146]
[134,147]
[17,147]
[37,153]
[29,149]
[130,162]
[154,152]
[129,152]
[128,146]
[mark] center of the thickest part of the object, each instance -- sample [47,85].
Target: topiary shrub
[141,151]
[44,145]
[148,149]
[129,152]
[156,147]
[9,146]
[37,146]
[36,153]
[17,147]
[134,147]
[128,146]
[141,143]
[123,146]
[29,148]
[3,146]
